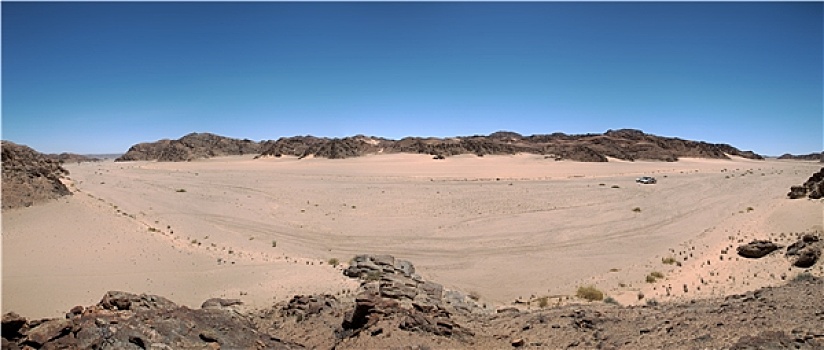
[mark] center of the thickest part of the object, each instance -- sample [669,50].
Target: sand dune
[504,227]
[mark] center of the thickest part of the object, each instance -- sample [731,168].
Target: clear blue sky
[99,77]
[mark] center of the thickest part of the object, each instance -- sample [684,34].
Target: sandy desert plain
[503,228]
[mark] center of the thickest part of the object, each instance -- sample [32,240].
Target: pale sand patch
[502,226]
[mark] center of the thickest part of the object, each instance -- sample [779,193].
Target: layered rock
[813,188]
[190,147]
[29,177]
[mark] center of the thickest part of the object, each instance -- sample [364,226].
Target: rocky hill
[394,308]
[819,156]
[29,177]
[623,144]
[190,147]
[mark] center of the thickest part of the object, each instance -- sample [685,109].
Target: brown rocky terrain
[813,188]
[394,308]
[625,144]
[29,177]
[819,156]
[189,147]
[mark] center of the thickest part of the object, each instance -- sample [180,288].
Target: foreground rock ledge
[381,315]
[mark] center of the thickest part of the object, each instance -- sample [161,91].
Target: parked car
[647,180]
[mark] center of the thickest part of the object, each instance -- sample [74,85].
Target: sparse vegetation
[668,260]
[274,244]
[180,190]
[611,300]
[636,209]
[589,293]
[334,262]
[616,186]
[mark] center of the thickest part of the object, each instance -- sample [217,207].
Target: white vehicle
[647,180]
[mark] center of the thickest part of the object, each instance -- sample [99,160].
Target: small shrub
[373,276]
[589,293]
[181,190]
[636,209]
[152,229]
[611,300]
[749,209]
[650,279]
[668,260]
[616,186]
[804,276]
[274,244]
[543,302]
[334,261]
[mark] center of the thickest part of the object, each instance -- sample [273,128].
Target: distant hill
[30,177]
[819,156]
[190,147]
[626,144]
[72,158]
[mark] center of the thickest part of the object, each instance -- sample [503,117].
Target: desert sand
[504,228]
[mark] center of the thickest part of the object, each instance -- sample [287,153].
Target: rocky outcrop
[128,321]
[813,188]
[190,147]
[817,156]
[757,249]
[29,177]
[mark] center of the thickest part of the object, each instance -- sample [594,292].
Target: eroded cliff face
[29,177]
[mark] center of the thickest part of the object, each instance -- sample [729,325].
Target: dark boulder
[757,249]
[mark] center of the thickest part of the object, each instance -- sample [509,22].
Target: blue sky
[99,77]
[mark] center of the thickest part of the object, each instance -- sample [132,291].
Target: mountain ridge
[624,144]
